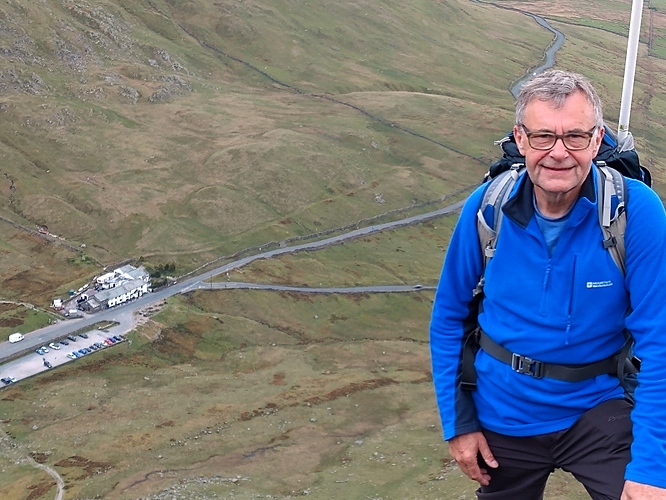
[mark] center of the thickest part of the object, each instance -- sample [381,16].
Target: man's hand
[639,491]
[465,450]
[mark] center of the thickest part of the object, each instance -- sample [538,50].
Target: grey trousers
[596,450]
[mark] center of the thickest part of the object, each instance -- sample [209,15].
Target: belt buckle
[526,366]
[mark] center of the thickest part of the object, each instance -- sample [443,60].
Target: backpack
[614,162]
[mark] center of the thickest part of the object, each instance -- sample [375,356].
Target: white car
[71,355]
[54,346]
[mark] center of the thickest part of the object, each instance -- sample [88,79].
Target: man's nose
[558,150]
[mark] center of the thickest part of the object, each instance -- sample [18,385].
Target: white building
[122,293]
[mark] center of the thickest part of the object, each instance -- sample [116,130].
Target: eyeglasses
[573,141]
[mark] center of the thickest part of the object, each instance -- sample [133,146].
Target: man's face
[558,173]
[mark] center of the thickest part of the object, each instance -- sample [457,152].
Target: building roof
[126,269]
[112,293]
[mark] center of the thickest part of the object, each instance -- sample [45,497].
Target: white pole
[630,69]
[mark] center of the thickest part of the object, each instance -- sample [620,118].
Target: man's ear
[596,140]
[521,139]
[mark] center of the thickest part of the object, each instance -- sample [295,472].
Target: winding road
[124,314]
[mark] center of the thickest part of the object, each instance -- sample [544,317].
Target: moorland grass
[231,166]
[409,256]
[282,392]
[124,179]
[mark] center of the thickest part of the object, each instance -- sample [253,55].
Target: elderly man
[516,428]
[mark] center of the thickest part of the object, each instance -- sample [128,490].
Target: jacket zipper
[571,300]
[546,279]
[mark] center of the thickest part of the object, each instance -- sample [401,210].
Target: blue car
[82,352]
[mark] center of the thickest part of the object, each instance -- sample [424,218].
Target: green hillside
[183,131]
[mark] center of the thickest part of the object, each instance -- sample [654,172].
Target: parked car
[82,352]
[92,347]
[8,380]
[108,341]
[64,342]
[72,338]
[41,351]
[117,339]
[83,335]
[72,355]
[100,345]
[47,363]
[52,345]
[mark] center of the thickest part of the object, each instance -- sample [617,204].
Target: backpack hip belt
[538,369]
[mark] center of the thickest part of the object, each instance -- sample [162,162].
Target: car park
[72,338]
[64,342]
[53,345]
[83,335]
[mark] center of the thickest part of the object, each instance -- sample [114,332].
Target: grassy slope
[261,395]
[233,159]
[283,393]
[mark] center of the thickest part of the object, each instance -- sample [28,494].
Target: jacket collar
[520,207]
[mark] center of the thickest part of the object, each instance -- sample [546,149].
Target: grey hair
[554,86]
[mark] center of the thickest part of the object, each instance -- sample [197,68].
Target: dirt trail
[59,482]
[16,456]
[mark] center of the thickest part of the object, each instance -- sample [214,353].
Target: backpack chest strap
[538,369]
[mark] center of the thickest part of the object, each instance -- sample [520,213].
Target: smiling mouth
[558,169]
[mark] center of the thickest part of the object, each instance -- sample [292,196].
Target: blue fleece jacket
[570,308]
